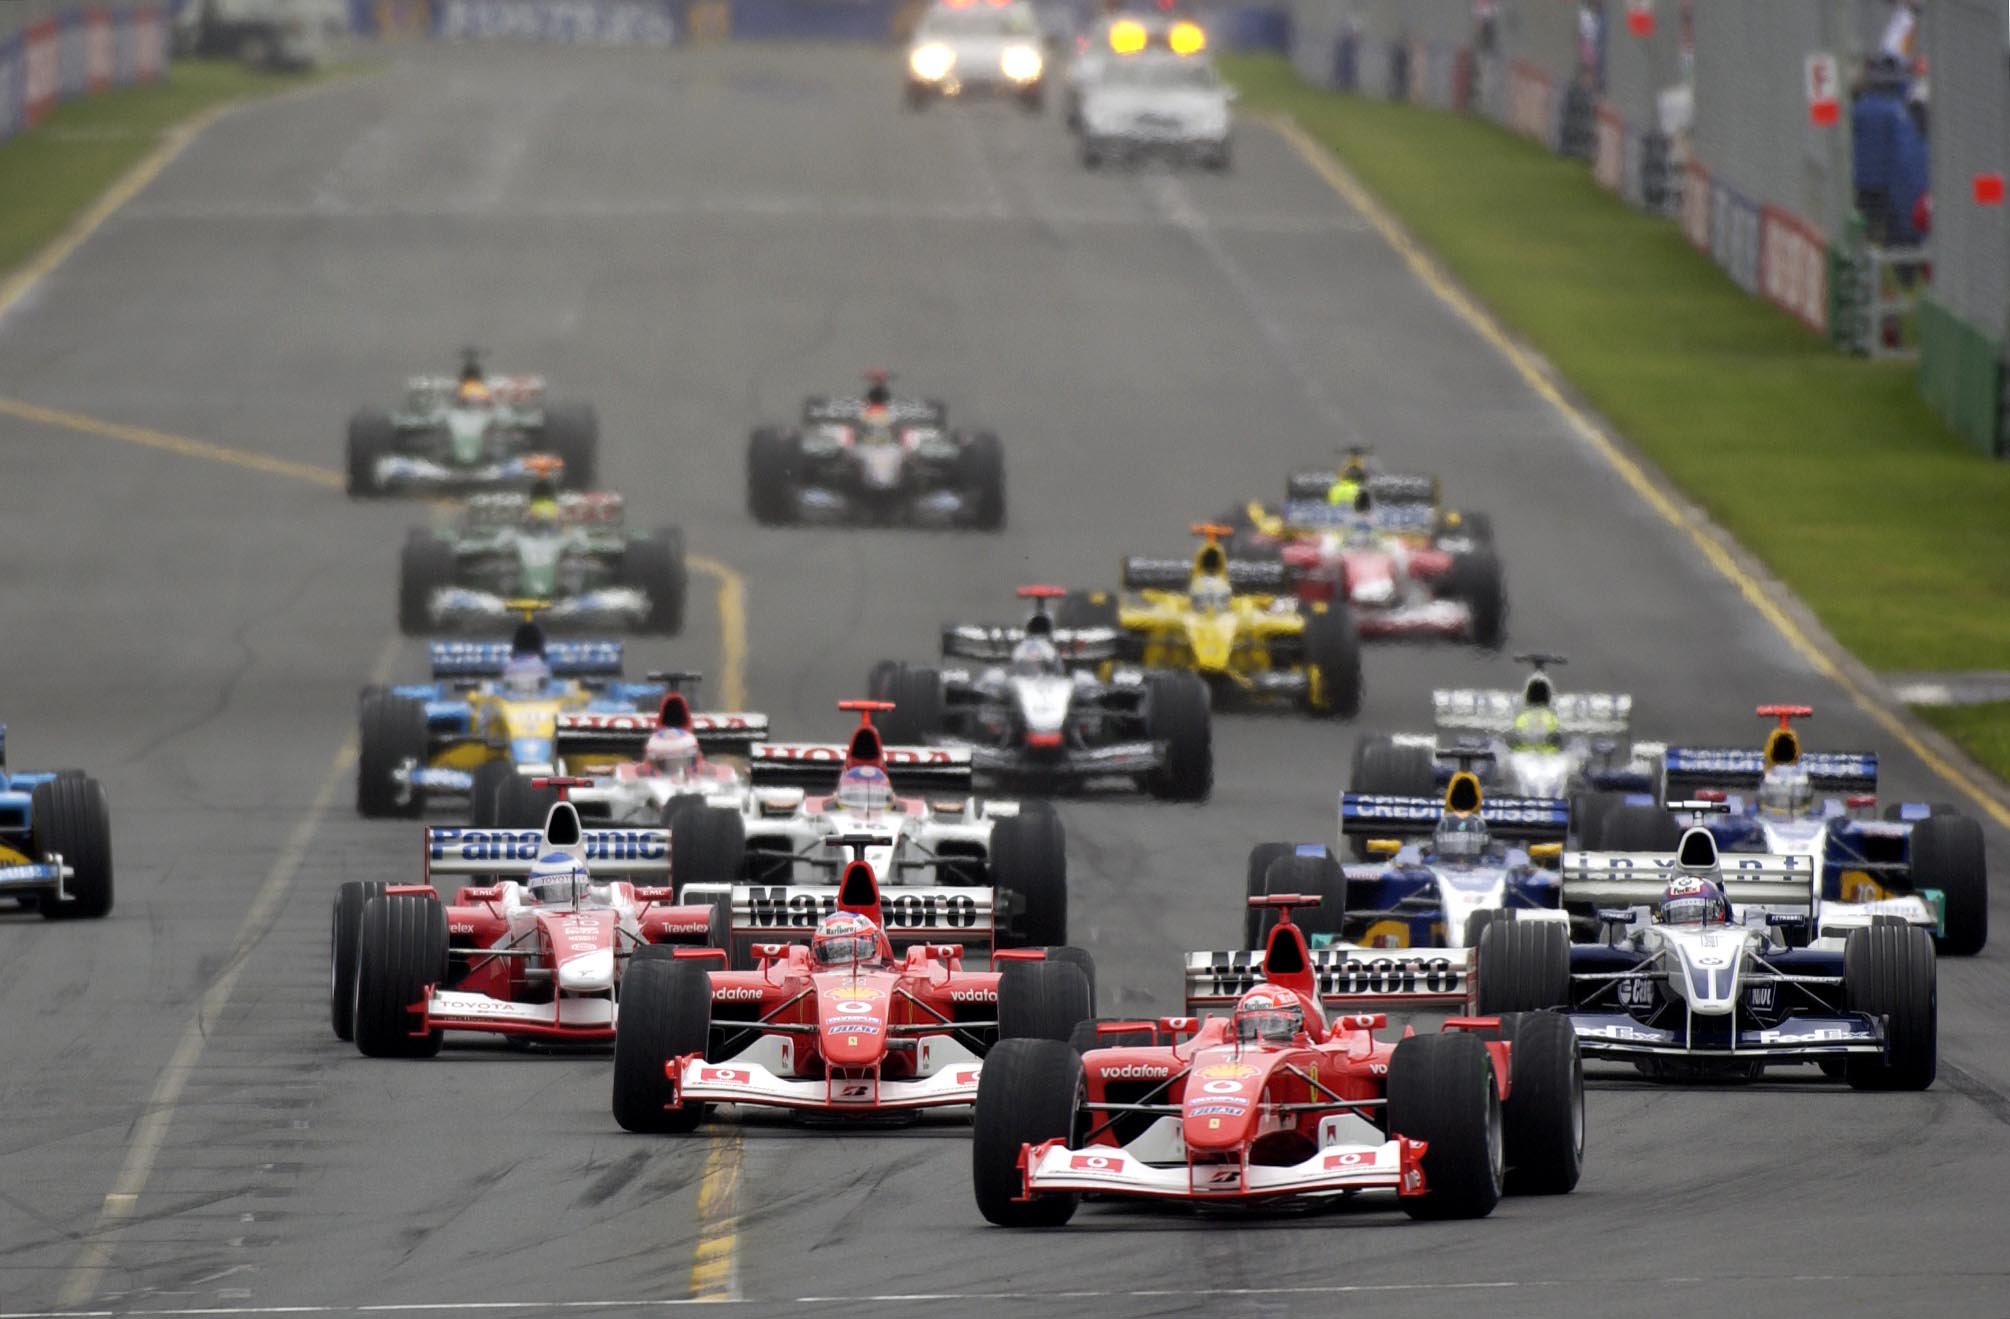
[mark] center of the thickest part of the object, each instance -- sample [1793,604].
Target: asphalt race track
[692,242]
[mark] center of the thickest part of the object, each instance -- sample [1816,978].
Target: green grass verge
[1829,468]
[1983,729]
[54,171]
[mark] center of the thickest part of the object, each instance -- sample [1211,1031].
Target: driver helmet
[1343,492]
[1535,729]
[1034,657]
[878,393]
[1268,1015]
[542,516]
[672,752]
[1461,836]
[558,879]
[1211,593]
[1785,792]
[845,938]
[864,789]
[525,675]
[472,391]
[1693,900]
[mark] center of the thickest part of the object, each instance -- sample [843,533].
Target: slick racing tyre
[1588,813]
[1029,868]
[400,950]
[521,804]
[572,431]
[1522,966]
[484,799]
[1543,1118]
[1086,609]
[1043,1000]
[1333,651]
[980,470]
[71,818]
[772,460]
[1256,883]
[1312,876]
[1889,972]
[1947,855]
[1079,957]
[371,437]
[1176,713]
[1641,828]
[654,565]
[1442,1091]
[1384,768]
[1029,1092]
[916,693]
[708,844]
[392,733]
[345,931]
[1476,579]
[666,1013]
[425,568]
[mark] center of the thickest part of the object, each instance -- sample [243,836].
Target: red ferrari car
[1280,1100]
[848,1031]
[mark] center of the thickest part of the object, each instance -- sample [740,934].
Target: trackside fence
[51,53]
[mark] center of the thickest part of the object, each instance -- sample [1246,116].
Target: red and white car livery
[1184,1109]
[1399,586]
[625,788]
[892,1035]
[955,868]
[408,966]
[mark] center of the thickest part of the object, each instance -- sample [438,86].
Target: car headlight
[931,62]
[1021,63]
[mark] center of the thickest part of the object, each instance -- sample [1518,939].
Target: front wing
[1094,762]
[405,472]
[566,1018]
[739,1081]
[619,606]
[1105,1170]
[1436,618]
[1799,1038]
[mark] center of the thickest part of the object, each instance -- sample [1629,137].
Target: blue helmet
[865,789]
[525,675]
[558,879]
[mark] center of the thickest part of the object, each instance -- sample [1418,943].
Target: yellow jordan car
[1233,622]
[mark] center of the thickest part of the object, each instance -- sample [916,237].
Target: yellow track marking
[1708,540]
[148,438]
[715,1267]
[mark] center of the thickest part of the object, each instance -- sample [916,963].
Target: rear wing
[1245,576]
[1363,814]
[1831,771]
[821,409]
[511,852]
[1307,515]
[993,645]
[816,765]
[485,659]
[1638,879]
[627,734]
[1584,714]
[910,914]
[1382,487]
[1348,978]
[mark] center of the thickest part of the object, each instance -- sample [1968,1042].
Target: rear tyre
[345,931]
[425,568]
[1947,854]
[1522,966]
[572,431]
[1889,972]
[391,734]
[1256,882]
[1308,876]
[484,803]
[73,819]
[1476,579]
[708,844]
[666,1013]
[1588,813]
[1043,1000]
[916,693]
[1030,1092]
[1333,651]
[401,949]
[1543,1118]
[371,436]
[1078,957]
[1383,768]
[981,471]
[520,804]
[1086,609]
[1029,862]
[1176,713]
[1442,1091]
[654,565]
[772,459]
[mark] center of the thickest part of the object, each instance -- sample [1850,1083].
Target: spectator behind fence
[1890,154]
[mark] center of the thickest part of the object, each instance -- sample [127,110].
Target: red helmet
[1269,1015]
[845,938]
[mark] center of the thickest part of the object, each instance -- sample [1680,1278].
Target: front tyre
[1030,1092]
[666,1013]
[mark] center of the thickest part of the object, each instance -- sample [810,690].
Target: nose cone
[851,1020]
[582,948]
[1219,1108]
[1213,640]
[587,973]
